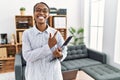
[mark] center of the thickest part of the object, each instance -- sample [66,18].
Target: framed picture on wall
[59,22]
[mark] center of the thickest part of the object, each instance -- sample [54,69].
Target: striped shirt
[38,55]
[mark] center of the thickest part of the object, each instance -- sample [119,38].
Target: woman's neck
[41,27]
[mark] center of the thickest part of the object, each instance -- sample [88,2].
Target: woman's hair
[41,3]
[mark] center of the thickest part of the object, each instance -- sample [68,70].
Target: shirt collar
[39,32]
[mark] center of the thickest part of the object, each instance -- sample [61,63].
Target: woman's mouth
[41,17]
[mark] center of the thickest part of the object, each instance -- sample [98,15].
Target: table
[81,75]
[76,75]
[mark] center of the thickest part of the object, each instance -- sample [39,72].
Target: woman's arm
[31,55]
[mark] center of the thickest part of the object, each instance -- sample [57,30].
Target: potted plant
[77,35]
[22,11]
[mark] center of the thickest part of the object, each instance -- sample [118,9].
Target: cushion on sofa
[23,73]
[76,52]
[79,63]
[63,68]
[103,72]
[23,60]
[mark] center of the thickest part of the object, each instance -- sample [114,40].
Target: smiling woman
[41,14]
[41,44]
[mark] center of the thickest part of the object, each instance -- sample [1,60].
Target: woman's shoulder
[28,30]
[52,29]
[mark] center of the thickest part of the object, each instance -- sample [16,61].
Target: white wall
[11,8]
[109,30]
[75,11]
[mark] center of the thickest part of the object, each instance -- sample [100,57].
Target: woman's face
[41,13]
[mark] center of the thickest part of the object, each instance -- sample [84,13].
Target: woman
[40,45]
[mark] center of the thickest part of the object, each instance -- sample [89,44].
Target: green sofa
[78,58]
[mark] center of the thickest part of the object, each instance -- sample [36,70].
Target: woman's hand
[57,53]
[52,40]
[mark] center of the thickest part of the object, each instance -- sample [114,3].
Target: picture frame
[59,22]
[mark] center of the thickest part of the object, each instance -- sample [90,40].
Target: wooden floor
[7,76]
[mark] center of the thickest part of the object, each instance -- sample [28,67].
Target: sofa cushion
[63,68]
[79,63]
[103,72]
[23,72]
[76,52]
[23,60]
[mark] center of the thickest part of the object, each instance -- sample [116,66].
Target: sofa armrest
[99,56]
[18,67]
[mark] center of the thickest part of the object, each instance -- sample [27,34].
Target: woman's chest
[39,40]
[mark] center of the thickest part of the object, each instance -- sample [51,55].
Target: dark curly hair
[41,3]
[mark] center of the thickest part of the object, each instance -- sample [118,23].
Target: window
[94,23]
[117,36]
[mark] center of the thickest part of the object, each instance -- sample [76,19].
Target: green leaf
[76,39]
[72,29]
[22,9]
[81,30]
